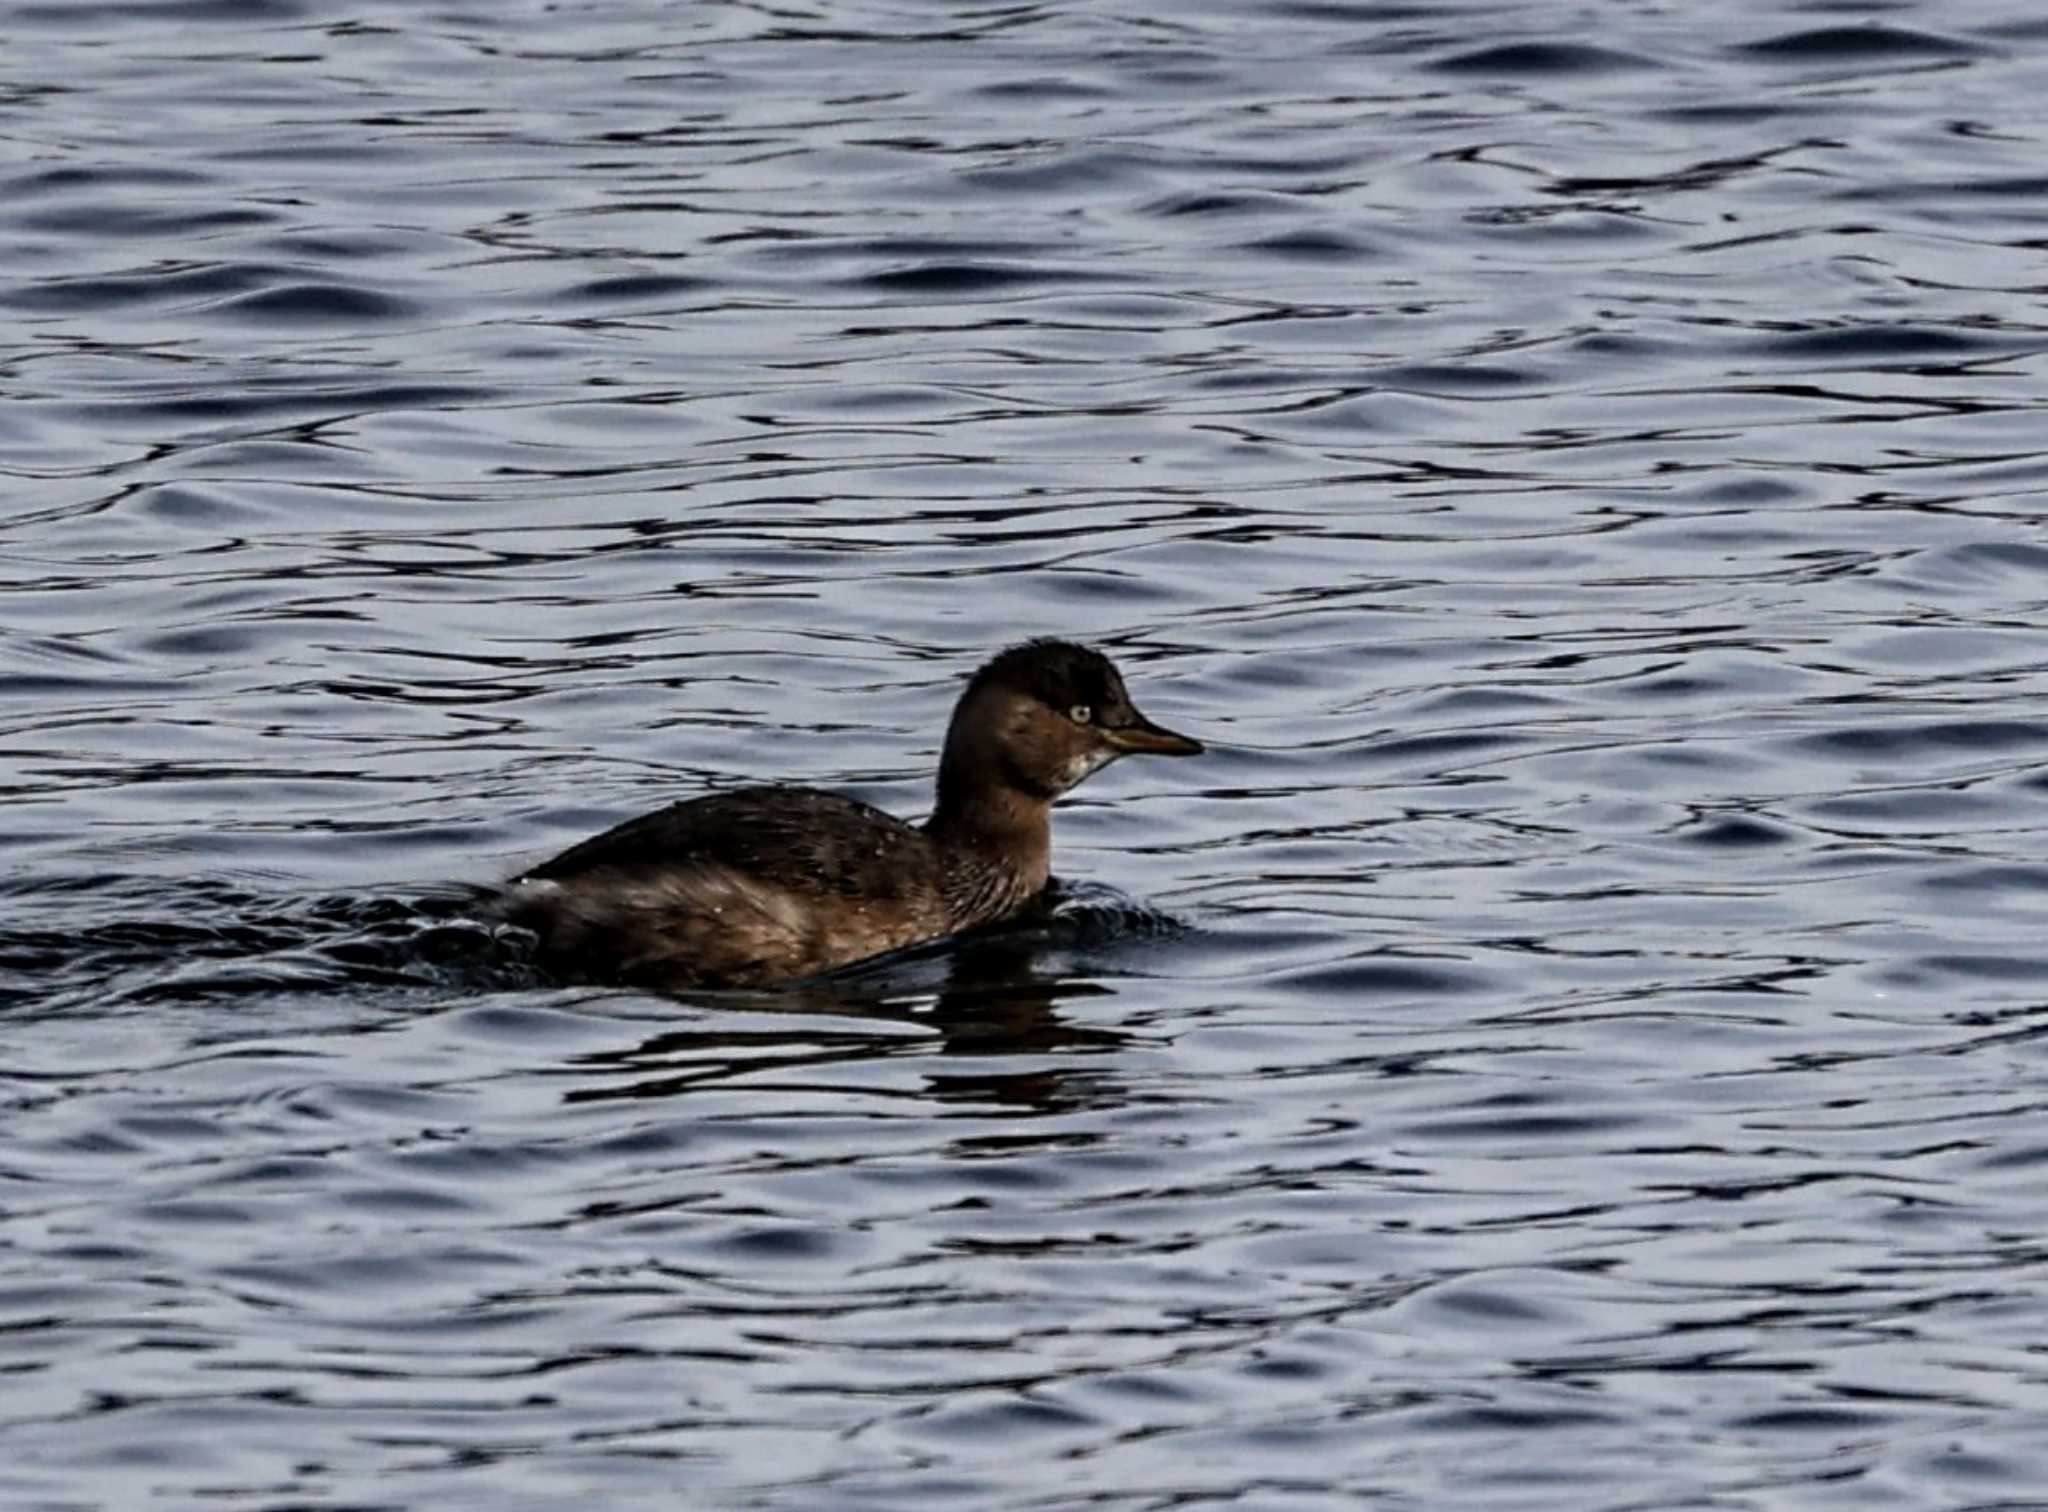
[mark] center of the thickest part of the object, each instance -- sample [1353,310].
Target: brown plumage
[769,885]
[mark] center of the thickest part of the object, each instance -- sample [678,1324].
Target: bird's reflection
[984,1002]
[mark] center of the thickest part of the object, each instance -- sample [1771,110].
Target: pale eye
[1081,714]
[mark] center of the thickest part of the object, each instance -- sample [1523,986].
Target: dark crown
[1057,673]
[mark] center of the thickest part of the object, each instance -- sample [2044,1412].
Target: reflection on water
[990,1001]
[1572,1042]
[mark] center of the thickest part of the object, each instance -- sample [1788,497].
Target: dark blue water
[1579,1041]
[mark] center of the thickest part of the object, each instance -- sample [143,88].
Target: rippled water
[1576,1041]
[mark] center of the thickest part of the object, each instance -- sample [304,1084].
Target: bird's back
[744,888]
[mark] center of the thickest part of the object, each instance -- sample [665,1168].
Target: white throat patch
[1080,767]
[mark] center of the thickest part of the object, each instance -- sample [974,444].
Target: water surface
[1575,1042]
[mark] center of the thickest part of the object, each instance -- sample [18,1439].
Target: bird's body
[763,886]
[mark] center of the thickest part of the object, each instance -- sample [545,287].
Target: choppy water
[1577,1042]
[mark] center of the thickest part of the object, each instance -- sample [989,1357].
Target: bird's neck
[995,849]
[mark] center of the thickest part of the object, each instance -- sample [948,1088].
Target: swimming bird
[764,886]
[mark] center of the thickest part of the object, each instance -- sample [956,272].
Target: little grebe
[769,885]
